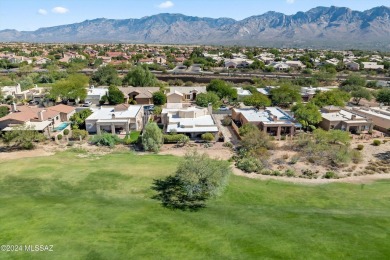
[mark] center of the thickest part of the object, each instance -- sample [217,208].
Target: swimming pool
[61,127]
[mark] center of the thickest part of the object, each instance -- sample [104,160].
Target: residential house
[295,64]
[272,120]
[184,94]
[142,95]
[192,121]
[242,93]
[94,95]
[372,66]
[352,65]
[45,120]
[337,118]
[380,116]
[122,117]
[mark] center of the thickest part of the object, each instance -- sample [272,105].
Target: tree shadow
[172,194]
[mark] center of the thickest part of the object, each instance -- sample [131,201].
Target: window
[57,118]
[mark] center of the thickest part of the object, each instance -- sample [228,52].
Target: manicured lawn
[100,207]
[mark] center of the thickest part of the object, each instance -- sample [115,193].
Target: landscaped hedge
[175,138]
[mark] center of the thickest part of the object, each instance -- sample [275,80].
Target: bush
[105,139]
[59,137]
[330,175]
[356,156]
[360,147]
[208,137]
[174,138]
[289,173]
[376,142]
[66,131]
[77,133]
[294,159]
[249,164]
[228,145]
[152,138]
[227,121]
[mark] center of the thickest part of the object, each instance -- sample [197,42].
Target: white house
[192,121]
[242,93]
[372,66]
[95,94]
[120,118]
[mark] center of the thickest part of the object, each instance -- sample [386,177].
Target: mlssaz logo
[38,248]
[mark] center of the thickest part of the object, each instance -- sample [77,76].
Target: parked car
[33,102]
[87,104]
[223,108]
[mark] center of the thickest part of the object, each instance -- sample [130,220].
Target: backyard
[96,206]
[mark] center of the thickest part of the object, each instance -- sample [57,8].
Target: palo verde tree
[222,88]
[257,100]
[285,95]
[357,95]
[204,99]
[73,87]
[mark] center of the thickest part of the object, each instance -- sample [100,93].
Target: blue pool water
[61,127]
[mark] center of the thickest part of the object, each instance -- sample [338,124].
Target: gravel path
[227,132]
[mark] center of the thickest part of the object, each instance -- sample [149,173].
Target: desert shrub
[360,147]
[66,131]
[294,159]
[376,142]
[175,138]
[227,121]
[356,156]
[330,175]
[289,173]
[307,173]
[59,137]
[285,156]
[228,145]
[71,143]
[77,133]
[208,137]
[105,139]
[266,172]
[249,164]
[276,173]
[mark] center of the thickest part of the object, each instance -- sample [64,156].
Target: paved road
[227,132]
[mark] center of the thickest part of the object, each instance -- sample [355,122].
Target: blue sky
[33,14]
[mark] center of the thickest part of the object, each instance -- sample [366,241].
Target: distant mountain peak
[321,26]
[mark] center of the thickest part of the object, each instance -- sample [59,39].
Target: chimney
[113,116]
[353,117]
[274,118]
[40,115]
[13,107]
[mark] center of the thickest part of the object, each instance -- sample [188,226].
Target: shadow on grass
[172,194]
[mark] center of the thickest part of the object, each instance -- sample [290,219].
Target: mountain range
[320,27]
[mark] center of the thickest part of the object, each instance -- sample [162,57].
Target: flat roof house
[122,117]
[192,121]
[336,118]
[380,116]
[95,94]
[271,120]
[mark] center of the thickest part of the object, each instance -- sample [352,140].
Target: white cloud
[60,10]
[165,5]
[290,1]
[42,12]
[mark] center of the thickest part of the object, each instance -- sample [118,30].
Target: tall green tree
[204,99]
[285,95]
[159,98]
[333,97]
[140,76]
[152,137]
[307,115]
[78,119]
[115,96]
[357,95]
[257,100]
[383,96]
[106,76]
[222,88]
[73,87]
